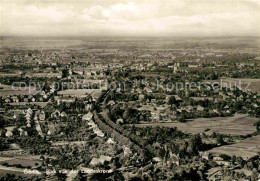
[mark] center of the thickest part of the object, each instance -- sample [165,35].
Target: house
[138,90]
[87,117]
[119,121]
[226,107]
[110,141]
[36,117]
[127,151]
[255,105]
[15,99]
[22,132]
[155,115]
[55,114]
[42,116]
[28,125]
[8,133]
[52,129]
[157,159]
[38,128]
[28,115]
[156,145]
[177,98]
[200,108]
[118,90]
[205,155]
[111,103]
[174,159]
[189,108]
[225,97]
[100,160]
[215,111]
[141,96]
[63,114]
[88,106]
[148,90]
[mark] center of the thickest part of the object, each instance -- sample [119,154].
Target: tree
[254,175]
[220,139]
[3,144]
[80,177]
[65,73]
[2,121]
[126,113]
[234,159]
[240,161]
[257,125]
[172,100]
[196,143]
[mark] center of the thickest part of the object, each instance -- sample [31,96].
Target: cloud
[122,17]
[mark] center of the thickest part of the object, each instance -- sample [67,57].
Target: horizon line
[152,36]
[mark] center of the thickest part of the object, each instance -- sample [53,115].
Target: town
[133,111]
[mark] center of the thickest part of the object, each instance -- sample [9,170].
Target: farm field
[239,124]
[247,148]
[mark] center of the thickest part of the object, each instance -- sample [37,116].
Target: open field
[12,170]
[62,143]
[23,162]
[247,148]
[252,85]
[48,75]
[2,74]
[239,124]
[12,90]
[81,92]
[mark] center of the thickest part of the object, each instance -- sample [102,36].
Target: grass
[247,148]
[239,124]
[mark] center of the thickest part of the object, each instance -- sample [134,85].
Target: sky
[130,18]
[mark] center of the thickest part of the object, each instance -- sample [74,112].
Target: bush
[225,157]
[257,125]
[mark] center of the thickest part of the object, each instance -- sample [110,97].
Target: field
[2,74]
[247,148]
[22,160]
[252,85]
[48,75]
[11,170]
[81,92]
[62,143]
[239,124]
[9,90]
